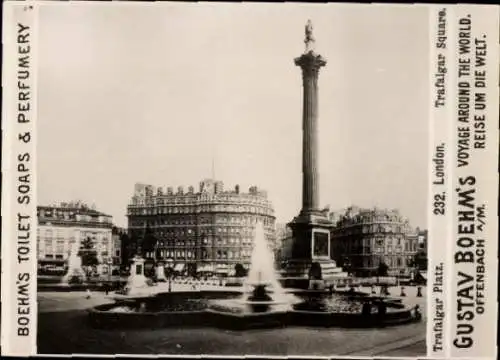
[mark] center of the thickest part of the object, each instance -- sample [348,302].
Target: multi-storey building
[364,238]
[210,230]
[117,234]
[62,226]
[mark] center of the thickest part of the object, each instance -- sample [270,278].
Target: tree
[382,269]
[419,261]
[88,253]
[126,249]
[149,240]
[240,270]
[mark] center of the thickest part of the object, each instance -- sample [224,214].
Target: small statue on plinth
[417,314]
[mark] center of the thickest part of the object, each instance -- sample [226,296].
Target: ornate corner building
[363,238]
[210,230]
[61,226]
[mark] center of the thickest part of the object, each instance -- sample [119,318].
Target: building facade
[117,234]
[61,226]
[364,238]
[284,237]
[209,230]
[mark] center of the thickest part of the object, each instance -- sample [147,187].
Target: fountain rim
[249,302]
[102,316]
[138,297]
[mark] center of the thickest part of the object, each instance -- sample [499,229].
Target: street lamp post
[170,261]
[110,267]
[109,264]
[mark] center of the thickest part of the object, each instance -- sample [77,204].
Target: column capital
[310,61]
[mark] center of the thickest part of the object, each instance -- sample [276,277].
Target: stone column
[310,64]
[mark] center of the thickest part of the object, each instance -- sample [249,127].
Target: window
[60,246]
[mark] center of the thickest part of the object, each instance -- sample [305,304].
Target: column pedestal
[311,250]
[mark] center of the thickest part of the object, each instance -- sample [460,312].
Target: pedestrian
[89,294]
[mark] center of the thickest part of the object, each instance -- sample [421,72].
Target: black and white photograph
[232,179]
[249,179]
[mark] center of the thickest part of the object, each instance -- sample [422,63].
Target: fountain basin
[226,309]
[90,285]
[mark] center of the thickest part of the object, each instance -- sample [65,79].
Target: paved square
[63,329]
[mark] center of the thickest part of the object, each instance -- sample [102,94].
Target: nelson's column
[311,228]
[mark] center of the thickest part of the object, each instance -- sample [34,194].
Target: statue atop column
[309,40]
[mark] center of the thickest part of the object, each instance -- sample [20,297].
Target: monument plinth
[137,284]
[311,228]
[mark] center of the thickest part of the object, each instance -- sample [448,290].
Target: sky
[157,93]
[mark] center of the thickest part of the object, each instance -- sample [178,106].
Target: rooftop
[71,209]
[207,186]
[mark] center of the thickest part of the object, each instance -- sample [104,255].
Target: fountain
[262,273]
[261,302]
[262,291]
[75,274]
